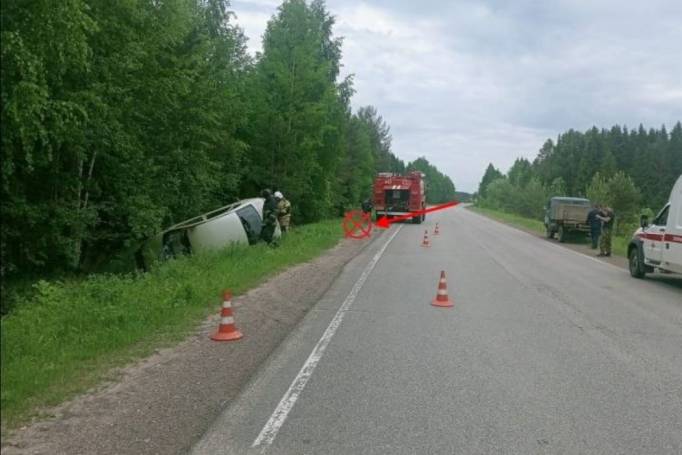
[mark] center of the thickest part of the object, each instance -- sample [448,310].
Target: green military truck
[565,216]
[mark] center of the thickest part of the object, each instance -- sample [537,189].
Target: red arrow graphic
[384,222]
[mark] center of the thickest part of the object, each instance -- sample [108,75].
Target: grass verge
[71,333]
[619,244]
[512,219]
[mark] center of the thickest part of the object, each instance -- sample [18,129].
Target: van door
[653,237]
[672,248]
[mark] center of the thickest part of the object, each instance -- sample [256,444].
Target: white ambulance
[658,246]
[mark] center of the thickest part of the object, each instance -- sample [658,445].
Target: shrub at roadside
[620,193]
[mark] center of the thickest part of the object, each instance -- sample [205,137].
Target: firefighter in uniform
[269,217]
[283,211]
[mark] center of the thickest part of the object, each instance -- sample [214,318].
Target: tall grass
[70,333]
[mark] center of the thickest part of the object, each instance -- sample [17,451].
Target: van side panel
[672,253]
[215,233]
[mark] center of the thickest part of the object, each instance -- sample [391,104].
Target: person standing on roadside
[606,216]
[595,225]
[269,217]
[283,211]
[367,206]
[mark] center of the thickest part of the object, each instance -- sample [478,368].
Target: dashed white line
[269,432]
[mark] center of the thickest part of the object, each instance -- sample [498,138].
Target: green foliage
[620,193]
[66,335]
[526,200]
[652,159]
[439,187]
[598,190]
[617,168]
[301,116]
[121,118]
[491,174]
[380,141]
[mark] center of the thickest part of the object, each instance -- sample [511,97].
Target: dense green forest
[439,187]
[121,118]
[631,170]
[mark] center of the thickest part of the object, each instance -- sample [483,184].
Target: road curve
[545,351]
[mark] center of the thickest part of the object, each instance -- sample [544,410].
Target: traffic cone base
[442,299]
[227,331]
[426,242]
[227,336]
[446,304]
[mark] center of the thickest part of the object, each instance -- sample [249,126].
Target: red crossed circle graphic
[357,224]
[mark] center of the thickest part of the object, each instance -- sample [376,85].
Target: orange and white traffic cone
[435,231]
[227,331]
[426,242]
[442,298]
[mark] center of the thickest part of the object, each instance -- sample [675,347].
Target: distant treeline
[439,187]
[463,196]
[631,170]
[121,118]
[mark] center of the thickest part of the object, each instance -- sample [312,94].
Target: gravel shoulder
[164,403]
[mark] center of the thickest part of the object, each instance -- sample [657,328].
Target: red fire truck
[398,195]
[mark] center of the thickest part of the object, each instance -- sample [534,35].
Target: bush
[620,193]
[527,200]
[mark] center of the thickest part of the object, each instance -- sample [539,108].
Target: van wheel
[562,234]
[637,269]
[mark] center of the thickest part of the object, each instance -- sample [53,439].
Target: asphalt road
[545,351]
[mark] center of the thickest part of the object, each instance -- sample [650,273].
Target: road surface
[545,351]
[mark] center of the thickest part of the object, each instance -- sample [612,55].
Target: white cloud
[471,82]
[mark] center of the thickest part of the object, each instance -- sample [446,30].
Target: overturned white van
[658,246]
[238,223]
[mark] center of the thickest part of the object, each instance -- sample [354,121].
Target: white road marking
[269,432]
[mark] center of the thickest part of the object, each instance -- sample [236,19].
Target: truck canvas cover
[569,209]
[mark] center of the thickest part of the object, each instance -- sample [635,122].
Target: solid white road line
[269,432]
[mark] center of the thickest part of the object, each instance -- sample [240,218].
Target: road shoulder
[164,403]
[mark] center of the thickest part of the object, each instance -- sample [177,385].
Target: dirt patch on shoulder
[163,404]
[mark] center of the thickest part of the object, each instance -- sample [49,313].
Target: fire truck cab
[396,195]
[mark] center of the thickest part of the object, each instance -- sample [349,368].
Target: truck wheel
[562,234]
[636,265]
[417,220]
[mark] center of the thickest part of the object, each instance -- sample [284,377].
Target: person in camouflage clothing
[269,217]
[607,218]
[283,211]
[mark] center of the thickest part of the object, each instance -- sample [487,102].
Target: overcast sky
[466,83]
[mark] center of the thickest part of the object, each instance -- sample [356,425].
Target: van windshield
[662,218]
[251,221]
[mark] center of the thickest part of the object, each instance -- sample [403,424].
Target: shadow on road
[672,281]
